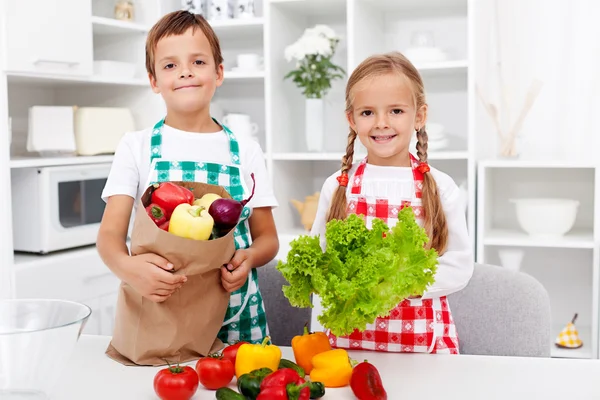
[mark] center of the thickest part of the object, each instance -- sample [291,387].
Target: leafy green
[363,273]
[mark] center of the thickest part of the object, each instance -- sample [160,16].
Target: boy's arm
[264,248]
[112,235]
[265,243]
[146,273]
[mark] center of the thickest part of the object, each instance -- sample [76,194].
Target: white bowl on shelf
[546,217]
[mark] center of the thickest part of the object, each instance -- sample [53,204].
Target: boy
[184,64]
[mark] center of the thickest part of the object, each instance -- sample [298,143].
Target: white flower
[315,41]
[323,30]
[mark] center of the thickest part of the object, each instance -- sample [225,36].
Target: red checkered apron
[415,325]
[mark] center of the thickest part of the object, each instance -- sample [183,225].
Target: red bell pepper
[157,214]
[284,384]
[366,382]
[169,195]
[164,226]
[230,352]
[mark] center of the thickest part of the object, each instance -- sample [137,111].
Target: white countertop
[93,376]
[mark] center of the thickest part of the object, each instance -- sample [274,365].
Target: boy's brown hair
[177,23]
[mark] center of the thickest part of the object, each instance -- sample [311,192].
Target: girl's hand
[235,274]
[148,275]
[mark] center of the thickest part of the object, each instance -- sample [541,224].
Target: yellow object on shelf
[568,338]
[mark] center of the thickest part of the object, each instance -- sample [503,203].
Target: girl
[385,106]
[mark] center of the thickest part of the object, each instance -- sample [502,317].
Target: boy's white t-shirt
[131,165]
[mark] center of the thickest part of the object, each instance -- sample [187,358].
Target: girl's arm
[326,194]
[456,265]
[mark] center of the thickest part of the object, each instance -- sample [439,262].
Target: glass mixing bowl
[37,338]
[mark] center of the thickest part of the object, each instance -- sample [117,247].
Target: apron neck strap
[156,142]
[357,178]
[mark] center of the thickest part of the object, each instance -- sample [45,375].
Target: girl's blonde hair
[435,219]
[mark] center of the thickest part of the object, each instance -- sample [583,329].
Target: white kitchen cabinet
[49,36]
[568,267]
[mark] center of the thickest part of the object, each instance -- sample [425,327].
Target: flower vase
[313,126]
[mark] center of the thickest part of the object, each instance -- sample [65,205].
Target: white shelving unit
[568,267]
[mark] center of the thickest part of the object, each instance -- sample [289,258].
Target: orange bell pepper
[333,368]
[307,346]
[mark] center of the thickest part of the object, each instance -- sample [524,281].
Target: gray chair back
[503,313]
[500,312]
[284,321]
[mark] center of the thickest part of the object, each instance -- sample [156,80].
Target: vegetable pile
[263,375]
[363,273]
[175,209]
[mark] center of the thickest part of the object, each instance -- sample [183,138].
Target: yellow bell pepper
[255,356]
[307,346]
[332,368]
[191,222]
[206,200]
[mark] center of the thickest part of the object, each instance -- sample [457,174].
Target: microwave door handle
[83,195]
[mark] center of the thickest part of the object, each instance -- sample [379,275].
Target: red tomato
[230,352]
[176,383]
[215,372]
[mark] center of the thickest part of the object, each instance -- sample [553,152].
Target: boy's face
[186,74]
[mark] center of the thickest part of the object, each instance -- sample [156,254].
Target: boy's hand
[235,274]
[148,276]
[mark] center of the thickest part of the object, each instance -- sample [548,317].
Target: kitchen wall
[555,42]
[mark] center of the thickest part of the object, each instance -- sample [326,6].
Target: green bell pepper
[249,384]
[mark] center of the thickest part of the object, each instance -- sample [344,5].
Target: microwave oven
[57,207]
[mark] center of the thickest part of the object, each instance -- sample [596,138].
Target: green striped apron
[245,318]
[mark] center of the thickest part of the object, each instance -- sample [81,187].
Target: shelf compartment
[444,67]
[28,162]
[296,180]
[111,26]
[498,223]
[312,8]
[61,80]
[243,76]
[234,29]
[576,239]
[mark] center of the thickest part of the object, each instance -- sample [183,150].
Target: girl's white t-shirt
[131,165]
[455,266]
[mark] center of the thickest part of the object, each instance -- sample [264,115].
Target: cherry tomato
[214,372]
[176,383]
[230,352]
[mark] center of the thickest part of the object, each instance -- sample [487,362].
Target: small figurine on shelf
[307,210]
[124,10]
[568,338]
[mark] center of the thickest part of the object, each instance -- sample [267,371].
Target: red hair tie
[423,167]
[343,179]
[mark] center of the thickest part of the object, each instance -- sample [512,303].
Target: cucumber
[226,393]
[317,390]
[290,364]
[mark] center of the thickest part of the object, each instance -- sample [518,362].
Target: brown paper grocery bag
[185,326]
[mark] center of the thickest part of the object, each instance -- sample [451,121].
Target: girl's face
[186,74]
[385,117]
